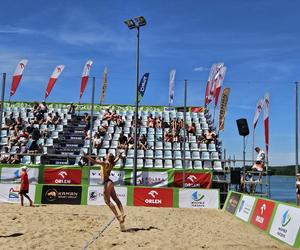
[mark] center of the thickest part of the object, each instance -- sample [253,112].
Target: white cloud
[201,68]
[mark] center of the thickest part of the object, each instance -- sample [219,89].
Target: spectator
[107,115]
[158,122]
[103,130]
[24,187]
[15,158]
[97,142]
[150,121]
[120,122]
[260,160]
[168,137]
[5,157]
[43,108]
[13,139]
[192,129]
[130,142]
[298,187]
[122,142]
[143,142]
[71,109]
[210,136]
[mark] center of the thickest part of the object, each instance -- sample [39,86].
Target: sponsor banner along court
[10,193]
[286,224]
[95,195]
[192,180]
[199,198]
[117,176]
[245,207]
[262,213]
[55,194]
[153,197]
[149,178]
[62,176]
[12,175]
[278,219]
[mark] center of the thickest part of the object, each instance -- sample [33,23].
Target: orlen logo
[263,208]
[153,194]
[192,178]
[286,218]
[63,174]
[260,219]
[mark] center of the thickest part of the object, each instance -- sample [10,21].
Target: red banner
[153,197]
[62,176]
[197,109]
[193,180]
[262,213]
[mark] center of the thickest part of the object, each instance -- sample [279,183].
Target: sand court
[71,227]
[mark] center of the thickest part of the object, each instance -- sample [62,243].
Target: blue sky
[257,40]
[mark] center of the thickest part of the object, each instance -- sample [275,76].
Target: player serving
[109,189]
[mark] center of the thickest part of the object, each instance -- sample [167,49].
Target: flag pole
[296,136]
[184,132]
[92,118]
[2,100]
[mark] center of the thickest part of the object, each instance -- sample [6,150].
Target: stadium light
[130,24]
[136,24]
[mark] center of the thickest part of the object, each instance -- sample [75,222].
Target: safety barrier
[279,220]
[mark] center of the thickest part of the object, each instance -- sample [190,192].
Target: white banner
[286,224]
[155,179]
[12,175]
[198,198]
[115,175]
[245,208]
[171,86]
[95,195]
[10,193]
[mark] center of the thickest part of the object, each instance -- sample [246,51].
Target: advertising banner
[198,198]
[192,180]
[117,176]
[62,176]
[95,195]
[245,207]
[56,194]
[12,175]
[262,213]
[10,193]
[153,197]
[233,202]
[286,224]
[148,178]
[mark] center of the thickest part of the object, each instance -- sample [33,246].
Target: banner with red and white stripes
[56,73]
[266,122]
[18,76]
[85,76]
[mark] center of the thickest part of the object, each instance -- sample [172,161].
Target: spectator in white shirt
[260,160]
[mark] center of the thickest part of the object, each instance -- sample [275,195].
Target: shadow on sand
[11,235]
[136,229]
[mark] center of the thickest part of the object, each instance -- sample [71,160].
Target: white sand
[70,227]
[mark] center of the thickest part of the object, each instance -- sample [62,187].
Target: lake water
[282,188]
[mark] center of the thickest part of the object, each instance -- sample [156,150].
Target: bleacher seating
[65,142]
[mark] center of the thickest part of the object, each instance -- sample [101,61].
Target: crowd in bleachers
[25,130]
[163,140]
[160,138]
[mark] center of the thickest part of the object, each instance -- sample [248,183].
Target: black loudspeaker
[235,177]
[242,126]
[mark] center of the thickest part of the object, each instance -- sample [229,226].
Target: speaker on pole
[242,126]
